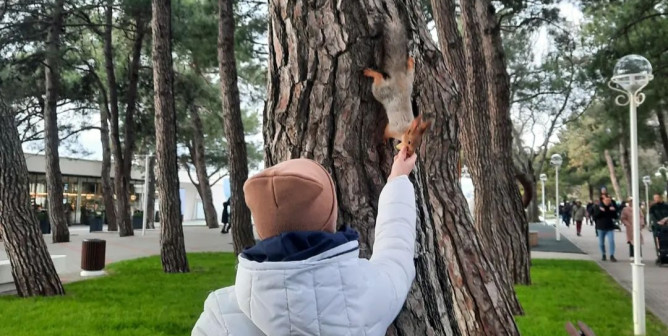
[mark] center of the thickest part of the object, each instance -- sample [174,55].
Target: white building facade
[82,189]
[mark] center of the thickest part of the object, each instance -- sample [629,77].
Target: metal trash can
[92,257]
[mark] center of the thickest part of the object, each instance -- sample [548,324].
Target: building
[82,189]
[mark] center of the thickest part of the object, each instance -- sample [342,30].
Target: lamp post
[631,74]
[556,161]
[543,178]
[647,181]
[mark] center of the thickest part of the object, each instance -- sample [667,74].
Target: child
[306,278]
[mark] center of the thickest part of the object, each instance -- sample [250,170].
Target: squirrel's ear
[416,122]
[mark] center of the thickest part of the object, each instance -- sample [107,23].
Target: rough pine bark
[172,245]
[149,216]
[107,185]
[496,221]
[32,267]
[240,217]
[611,170]
[510,211]
[320,107]
[54,180]
[198,156]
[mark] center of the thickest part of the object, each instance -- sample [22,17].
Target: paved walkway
[656,278]
[197,239]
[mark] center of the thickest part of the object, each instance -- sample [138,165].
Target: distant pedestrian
[578,216]
[605,216]
[566,217]
[226,218]
[590,213]
[627,220]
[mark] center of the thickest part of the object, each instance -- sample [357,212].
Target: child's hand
[403,164]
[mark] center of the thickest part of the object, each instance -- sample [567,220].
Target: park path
[656,278]
[197,239]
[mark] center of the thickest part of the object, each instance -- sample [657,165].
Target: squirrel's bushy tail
[395,43]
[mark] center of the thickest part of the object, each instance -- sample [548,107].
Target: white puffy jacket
[332,293]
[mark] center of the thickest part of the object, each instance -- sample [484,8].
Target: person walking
[225,218]
[590,212]
[627,220]
[605,216]
[578,215]
[567,213]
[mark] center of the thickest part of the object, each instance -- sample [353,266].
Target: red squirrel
[394,90]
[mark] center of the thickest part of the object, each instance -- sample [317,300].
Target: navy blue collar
[298,245]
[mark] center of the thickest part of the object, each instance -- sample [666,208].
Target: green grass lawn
[572,290]
[137,299]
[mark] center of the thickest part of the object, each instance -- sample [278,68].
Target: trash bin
[95,223]
[92,257]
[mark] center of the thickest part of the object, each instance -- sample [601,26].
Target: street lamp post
[543,178]
[647,181]
[631,74]
[556,161]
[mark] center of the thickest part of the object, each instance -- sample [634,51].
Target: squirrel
[394,88]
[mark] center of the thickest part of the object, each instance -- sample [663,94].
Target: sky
[90,140]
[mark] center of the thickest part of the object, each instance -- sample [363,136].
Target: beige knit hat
[295,195]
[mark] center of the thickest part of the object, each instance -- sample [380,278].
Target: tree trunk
[626,165]
[590,188]
[198,156]
[240,217]
[662,131]
[123,152]
[107,185]
[498,95]
[611,169]
[54,179]
[320,107]
[173,250]
[32,267]
[149,216]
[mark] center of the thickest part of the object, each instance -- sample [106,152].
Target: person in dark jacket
[605,216]
[658,212]
[226,218]
[590,213]
[566,216]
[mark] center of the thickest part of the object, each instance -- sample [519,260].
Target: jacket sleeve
[394,245]
[222,317]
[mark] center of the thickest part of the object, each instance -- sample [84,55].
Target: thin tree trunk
[54,179]
[611,169]
[240,217]
[626,164]
[198,156]
[662,131]
[498,95]
[173,250]
[123,152]
[32,268]
[107,185]
[149,216]
[320,107]
[590,188]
